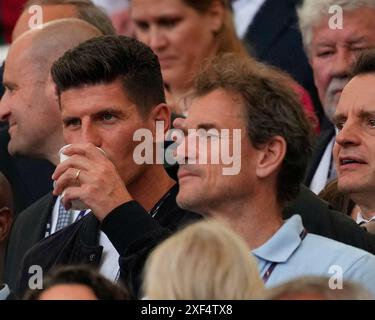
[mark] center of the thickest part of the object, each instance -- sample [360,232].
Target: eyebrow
[366,114]
[358,39]
[110,110]
[362,115]
[337,118]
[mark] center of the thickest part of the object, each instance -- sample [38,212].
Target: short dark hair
[83,275]
[86,10]
[271,109]
[108,58]
[364,64]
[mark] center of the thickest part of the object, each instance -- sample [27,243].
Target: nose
[90,134]
[348,135]
[187,151]
[157,39]
[342,63]
[4,108]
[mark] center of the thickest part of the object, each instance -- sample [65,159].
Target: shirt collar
[361,219]
[283,243]
[4,292]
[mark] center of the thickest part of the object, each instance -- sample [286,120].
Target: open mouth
[350,161]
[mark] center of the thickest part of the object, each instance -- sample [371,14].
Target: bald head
[30,98]
[50,13]
[44,46]
[43,11]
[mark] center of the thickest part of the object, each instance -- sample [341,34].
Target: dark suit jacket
[273,37]
[319,218]
[323,140]
[2,124]
[28,228]
[30,179]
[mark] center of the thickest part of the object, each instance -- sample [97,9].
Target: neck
[52,150]
[366,204]
[149,189]
[256,220]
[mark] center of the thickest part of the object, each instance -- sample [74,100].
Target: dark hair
[86,10]
[108,58]
[83,275]
[271,109]
[364,64]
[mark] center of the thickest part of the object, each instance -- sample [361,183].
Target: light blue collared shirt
[312,256]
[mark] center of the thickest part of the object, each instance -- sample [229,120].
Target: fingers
[70,177]
[69,195]
[87,150]
[81,156]
[178,123]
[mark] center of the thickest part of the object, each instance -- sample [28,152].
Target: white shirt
[320,177]
[3,53]
[109,264]
[244,12]
[361,219]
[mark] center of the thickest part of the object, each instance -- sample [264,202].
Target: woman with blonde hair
[205,260]
[185,33]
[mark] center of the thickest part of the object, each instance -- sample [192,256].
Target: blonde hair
[206,260]
[227,37]
[318,287]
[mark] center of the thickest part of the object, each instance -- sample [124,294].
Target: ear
[160,115]
[5,223]
[271,156]
[216,15]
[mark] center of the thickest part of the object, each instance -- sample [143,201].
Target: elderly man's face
[333,51]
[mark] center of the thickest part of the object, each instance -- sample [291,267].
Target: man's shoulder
[330,251]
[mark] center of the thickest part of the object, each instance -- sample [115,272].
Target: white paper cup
[77,204]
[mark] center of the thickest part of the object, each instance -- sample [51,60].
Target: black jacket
[320,146]
[28,228]
[138,235]
[319,218]
[30,179]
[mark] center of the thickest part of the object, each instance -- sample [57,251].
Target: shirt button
[92,257]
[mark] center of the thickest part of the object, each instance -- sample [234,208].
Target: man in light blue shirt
[312,256]
[272,149]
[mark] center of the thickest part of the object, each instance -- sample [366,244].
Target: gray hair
[311,12]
